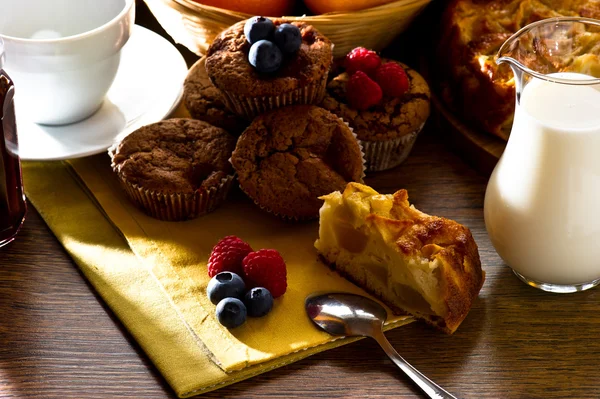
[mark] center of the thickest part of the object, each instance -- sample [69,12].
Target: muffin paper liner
[383,155]
[178,206]
[362,150]
[296,219]
[249,107]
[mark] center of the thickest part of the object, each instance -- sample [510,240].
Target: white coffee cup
[63,55]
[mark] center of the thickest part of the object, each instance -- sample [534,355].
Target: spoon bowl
[345,314]
[350,315]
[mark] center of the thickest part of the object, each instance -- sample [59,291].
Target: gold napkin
[153,276]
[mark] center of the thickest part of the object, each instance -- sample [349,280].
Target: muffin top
[289,157]
[393,118]
[205,102]
[174,156]
[228,67]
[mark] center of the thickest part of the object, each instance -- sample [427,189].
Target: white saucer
[148,86]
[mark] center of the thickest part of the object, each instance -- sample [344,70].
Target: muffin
[301,79]
[388,130]
[289,157]
[205,102]
[175,169]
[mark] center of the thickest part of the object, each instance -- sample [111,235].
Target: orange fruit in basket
[269,8]
[325,6]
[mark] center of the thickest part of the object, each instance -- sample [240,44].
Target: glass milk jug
[12,199]
[542,203]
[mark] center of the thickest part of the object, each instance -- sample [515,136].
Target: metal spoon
[354,315]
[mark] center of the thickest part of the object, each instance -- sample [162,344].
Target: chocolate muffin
[388,130]
[175,169]
[289,157]
[301,79]
[205,102]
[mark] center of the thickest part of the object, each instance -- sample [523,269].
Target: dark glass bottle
[12,199]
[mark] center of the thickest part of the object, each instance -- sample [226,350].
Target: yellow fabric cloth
[153,276]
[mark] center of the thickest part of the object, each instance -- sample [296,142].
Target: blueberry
[258,301]
[231,312]
[258,28]
[224,285]
[288,38]
[265,56]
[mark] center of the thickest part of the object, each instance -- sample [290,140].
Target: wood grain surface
[480,149]
[58,340]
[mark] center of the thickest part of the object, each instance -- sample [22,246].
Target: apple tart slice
[423,265]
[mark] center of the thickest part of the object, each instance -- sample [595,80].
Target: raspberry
[266,268]
[392,79]
[228,255]
[361,59]
[362,92]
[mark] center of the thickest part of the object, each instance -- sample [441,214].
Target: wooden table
[58,339]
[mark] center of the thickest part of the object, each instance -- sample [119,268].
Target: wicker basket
[195,25]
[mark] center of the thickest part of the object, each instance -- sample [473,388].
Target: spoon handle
[430,388]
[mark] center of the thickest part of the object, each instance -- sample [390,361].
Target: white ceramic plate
[148,86]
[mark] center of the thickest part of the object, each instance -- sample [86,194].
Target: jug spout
[546,48]
[506,55]
[520,51]
[510,54]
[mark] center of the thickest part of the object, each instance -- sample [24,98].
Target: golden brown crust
[472,33]
[394,117]
[441,250]
[228,67]
[205,102]
[289,157]
[174,156]
[445,240]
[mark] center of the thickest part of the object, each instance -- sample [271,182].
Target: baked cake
[425,265]
[301,79]
[482,92]
[289,157]
[175,169]
[387,130]
[205,102]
